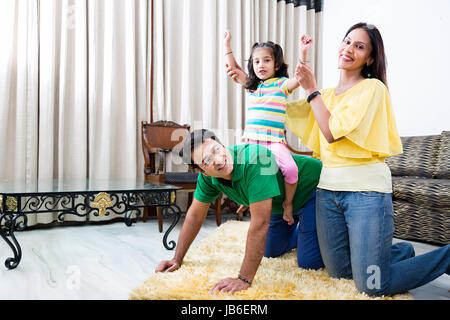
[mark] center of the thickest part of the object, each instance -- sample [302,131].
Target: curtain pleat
[19,90]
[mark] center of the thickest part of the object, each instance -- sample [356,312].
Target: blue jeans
[355,231]
[302,235]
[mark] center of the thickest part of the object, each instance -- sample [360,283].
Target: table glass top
[59,186]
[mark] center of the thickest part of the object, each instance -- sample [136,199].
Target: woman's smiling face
[355,50]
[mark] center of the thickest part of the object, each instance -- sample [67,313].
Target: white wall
[416,36]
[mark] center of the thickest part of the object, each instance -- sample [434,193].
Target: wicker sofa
[421,186]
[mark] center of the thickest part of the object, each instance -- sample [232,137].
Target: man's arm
[256,237]
[195,216]
[254,250]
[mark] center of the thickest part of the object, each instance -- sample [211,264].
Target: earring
[368,75]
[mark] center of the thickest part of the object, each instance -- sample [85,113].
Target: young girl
[268,86]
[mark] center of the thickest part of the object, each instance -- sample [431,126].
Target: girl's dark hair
[377,69]
[280,67]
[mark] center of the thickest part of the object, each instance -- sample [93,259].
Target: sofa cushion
[443,158]
[423,191]
[420,223]
[419,157]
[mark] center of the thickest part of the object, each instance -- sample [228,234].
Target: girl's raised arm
[233,69]
[306,43]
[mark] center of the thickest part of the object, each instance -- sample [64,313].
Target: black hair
[280,66]
[377,69]
[192,141]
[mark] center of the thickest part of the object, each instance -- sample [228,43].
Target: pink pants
[283,157]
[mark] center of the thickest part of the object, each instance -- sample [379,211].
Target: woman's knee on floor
[372,290]
[371,281]
[339,272]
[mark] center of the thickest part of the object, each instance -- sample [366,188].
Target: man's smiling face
[213,159]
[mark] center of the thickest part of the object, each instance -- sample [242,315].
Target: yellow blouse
[362,115]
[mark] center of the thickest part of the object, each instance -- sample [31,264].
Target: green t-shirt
[256,177]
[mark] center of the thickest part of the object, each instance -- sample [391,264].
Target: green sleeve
[205,191]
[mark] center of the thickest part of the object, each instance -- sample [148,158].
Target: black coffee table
[80,198]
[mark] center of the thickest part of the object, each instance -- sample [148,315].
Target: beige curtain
[18,89]
[73,90]
[190,83]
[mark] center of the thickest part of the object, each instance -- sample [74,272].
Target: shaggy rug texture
[220,255]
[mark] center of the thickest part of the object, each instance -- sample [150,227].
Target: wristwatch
[312,96]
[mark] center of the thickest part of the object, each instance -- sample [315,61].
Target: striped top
[266,113]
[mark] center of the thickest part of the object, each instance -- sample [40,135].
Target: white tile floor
[107,261]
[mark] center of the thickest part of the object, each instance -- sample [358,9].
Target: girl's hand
[305,77]
[227,40]
[306,43]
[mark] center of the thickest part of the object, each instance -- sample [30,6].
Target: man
[248,175]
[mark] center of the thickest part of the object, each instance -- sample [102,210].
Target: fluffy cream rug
[220,256]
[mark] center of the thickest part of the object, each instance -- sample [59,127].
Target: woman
[351,129]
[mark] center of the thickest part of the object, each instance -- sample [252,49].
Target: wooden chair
[295,151]
[162,137]
[302,153]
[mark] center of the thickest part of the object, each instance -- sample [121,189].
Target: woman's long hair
[377,69]
[280,67]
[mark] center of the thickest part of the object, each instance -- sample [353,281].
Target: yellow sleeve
[300,120]
[367,121]
[348,115]
[363,118]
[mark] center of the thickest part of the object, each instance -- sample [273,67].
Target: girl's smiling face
[263,63]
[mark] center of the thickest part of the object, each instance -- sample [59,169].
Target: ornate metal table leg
[128,214]
[174,211]
[8,224]
[130,201]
